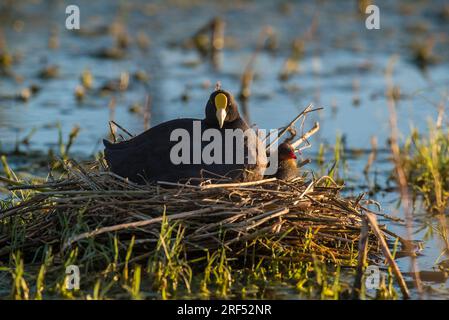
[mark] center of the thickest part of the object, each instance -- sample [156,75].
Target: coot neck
[238,123]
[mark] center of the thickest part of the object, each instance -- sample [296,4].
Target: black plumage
[146,157]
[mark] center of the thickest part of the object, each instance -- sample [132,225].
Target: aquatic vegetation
[362,4]
[6,58]
[87,79]
[120,84]
[423,53]
[291,65]
[80,93]
[335,166]
[147,241]
[113,53]
[49,72]
[128,45]
[426,161]
[209,40]
[63,147]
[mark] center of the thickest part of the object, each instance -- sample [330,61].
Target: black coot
[146,157]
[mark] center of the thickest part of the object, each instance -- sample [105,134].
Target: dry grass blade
[379,234]
[131,225]
[363,251]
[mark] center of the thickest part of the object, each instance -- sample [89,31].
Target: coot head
[286,152]
[221,108]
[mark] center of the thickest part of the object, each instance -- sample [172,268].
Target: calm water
[343,63]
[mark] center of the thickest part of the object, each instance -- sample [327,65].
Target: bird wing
[147,154]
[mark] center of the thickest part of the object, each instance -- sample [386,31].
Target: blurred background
[144,62]
[296,53]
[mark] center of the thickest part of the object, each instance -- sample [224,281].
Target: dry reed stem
[375,228]
[399,170]
[363,252]
[306,136]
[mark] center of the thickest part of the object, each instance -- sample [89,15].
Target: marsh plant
[426,161]
[147,242]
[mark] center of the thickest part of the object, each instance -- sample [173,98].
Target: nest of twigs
[300,220]
[303,218]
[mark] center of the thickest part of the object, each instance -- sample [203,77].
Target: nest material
[301,219]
